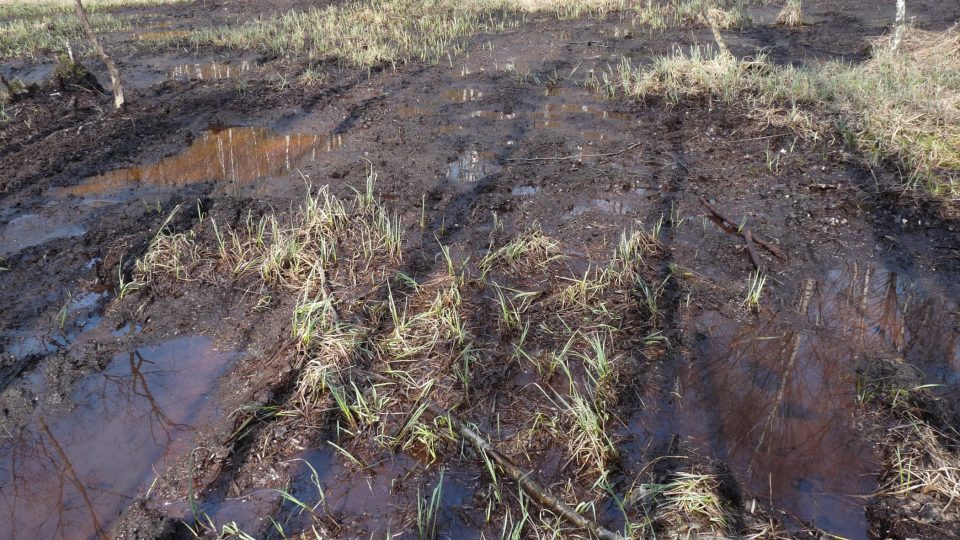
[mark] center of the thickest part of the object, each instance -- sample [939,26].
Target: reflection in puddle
[80,313]
[559,111]
[525,191]
[471,167]
[236,155]
[31,230]
[776,398]
[607,206]
[356,497]
[67,475]
[209,71]
[462,95]
[494,115]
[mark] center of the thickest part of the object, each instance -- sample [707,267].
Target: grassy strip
[33,29]
[20,9]
[376,32]
[900,106]
[33,37]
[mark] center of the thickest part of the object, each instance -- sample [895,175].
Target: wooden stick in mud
[538,492]
[118,99]
[751,249]
[721,44]
[743,231]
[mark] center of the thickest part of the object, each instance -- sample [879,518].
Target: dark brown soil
[766,401]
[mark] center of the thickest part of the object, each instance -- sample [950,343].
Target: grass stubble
[378,346]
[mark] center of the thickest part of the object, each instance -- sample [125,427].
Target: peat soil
[119,407]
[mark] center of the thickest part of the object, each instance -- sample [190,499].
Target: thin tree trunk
[899,24]
[118,100]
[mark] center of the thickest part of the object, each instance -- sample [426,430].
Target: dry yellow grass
[901,106]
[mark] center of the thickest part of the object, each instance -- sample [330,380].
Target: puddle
[211,71]
[494,115]
[471,166]
[357,498]
[525,191]
[620,206]
[31,230]
[233,155]
[67,475]
[559,111]
[27,73]
[776,398]
[462,95]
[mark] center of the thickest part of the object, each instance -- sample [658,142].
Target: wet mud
[116,401]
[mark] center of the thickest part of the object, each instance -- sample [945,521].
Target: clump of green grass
[530,250]
[755,290]
[897,105]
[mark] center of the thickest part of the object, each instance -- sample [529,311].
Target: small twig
[751,250]
[538,492]
[578,156]
[743,231]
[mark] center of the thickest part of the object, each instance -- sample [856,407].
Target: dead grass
[792,14]
[898,106]
[376,345]
[691,507]
[397,31]
[919,444]
[919,462]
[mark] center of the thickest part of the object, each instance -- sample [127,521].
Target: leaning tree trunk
[118,101]
[899,24]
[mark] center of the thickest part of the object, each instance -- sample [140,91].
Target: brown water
[232,155]
[68,474]
[776,397]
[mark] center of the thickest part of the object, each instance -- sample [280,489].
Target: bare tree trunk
[118,100]
[899,24]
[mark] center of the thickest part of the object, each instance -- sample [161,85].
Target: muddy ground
[129,416]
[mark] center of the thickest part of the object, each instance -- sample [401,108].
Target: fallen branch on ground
[538,492]
[747,235]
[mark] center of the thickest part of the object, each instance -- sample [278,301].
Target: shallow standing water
[776,397]
[86,455]
[230,155]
